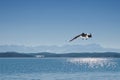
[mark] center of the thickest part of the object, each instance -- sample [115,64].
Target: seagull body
[83,36]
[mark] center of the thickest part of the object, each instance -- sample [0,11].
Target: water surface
[60,69]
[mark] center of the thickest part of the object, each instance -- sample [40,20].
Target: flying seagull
[83,36]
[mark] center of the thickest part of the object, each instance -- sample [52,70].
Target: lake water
[60,69]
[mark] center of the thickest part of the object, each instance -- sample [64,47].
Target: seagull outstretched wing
[75,37]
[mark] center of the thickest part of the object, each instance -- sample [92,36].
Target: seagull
[83,36]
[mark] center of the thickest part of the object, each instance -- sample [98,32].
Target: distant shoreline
[63,55]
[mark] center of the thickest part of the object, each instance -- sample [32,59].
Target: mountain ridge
[57,49]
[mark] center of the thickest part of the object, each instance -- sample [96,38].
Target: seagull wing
[75,37]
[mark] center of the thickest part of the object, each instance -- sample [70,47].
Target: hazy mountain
[57,49]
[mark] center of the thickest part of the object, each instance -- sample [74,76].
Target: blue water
[60,69]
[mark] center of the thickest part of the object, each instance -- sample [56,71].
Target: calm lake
[59,68]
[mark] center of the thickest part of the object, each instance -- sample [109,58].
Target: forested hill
[46,54]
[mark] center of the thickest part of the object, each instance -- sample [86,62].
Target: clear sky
[54,22]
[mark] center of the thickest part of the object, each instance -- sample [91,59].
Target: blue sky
[54,22]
